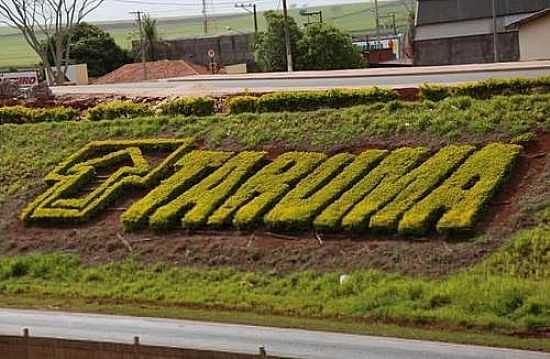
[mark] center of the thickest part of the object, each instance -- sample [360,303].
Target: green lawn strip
[361,327]
[29,151]
[492,296]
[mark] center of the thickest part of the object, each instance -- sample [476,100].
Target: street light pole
[290,65]
[205,17]
[377,20]
[255,19]
[495,34]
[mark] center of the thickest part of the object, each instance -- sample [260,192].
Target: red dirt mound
[155,70]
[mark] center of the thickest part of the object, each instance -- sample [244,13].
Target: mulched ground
[103,239]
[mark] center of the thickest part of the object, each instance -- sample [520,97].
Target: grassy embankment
[505,294]
[348,17]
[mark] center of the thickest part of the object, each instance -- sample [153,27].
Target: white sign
[211,53]
[23,79]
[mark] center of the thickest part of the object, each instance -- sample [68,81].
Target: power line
[254,12]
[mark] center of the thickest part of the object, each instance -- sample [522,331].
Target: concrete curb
[414,71]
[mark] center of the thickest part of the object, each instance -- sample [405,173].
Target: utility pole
[495,34]
[246,7]
[255,19]
[205,17]
[377,20]
[142,42]
[290,65]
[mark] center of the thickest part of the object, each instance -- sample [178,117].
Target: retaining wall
[12,347]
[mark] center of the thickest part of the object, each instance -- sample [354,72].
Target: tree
[92,46]
[270,48]
[150,37]
[321,47]
[38,19]
[324,47]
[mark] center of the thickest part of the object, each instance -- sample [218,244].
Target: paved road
[394,77]
[240,338]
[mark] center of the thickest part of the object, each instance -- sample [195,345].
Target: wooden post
[26,335]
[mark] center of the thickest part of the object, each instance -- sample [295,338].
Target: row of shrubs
[487,88]
[308,100]
[186,106]
[273,102]
[21,114]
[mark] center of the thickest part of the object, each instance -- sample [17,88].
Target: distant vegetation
[346,17]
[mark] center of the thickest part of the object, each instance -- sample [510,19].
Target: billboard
[24,79]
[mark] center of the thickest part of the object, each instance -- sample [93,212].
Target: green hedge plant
[487,88]
[187,106]
[241,104]
[117,109]
[21,114]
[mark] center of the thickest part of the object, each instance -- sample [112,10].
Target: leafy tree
[321,47]
[96,48]
[38,19]
[327,48]
[270,47]
[151,37]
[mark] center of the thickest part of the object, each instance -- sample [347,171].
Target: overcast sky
[119,9]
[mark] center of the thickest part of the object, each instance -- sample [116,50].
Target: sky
[119,9]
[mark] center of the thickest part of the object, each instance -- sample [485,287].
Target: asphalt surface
[289,343]
[397,78]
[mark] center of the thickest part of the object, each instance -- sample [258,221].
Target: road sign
[211,53]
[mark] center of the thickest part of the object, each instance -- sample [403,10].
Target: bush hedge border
[404,190]
[78,169]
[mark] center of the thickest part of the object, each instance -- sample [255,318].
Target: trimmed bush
[374,190]
[241,104]
[463,196]
[117,109]
[193,167]
[299,207]
[487,88]
[195,205]
[187,106]
[67,179]
[313,100]
[389,170]
[399,196]
[259,194]
[21,114]
[434,92]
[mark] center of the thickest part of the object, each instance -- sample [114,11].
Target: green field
[349,17]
